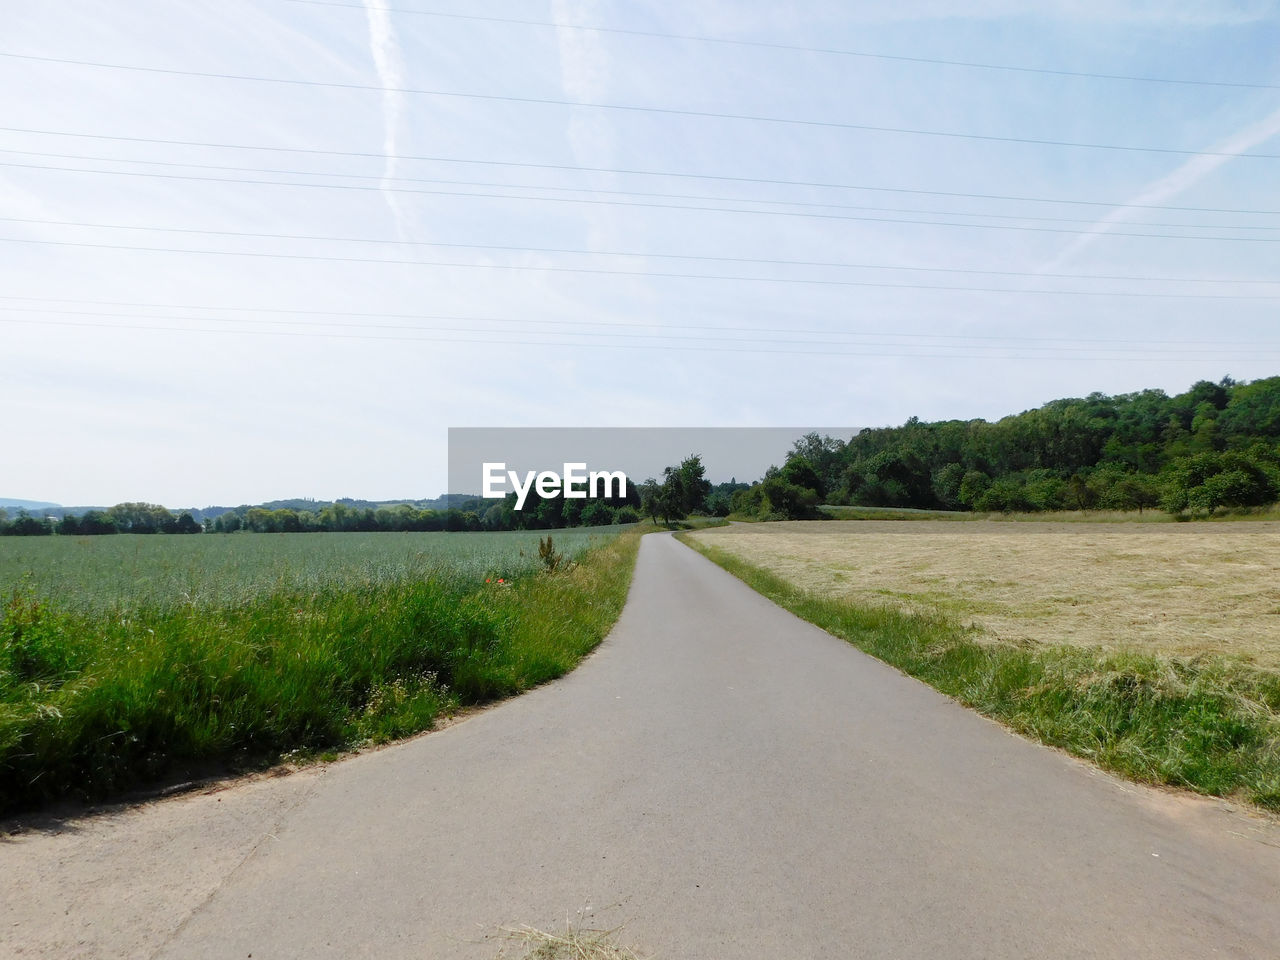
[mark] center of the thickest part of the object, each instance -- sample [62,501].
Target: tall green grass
[94,702]
[1208,724]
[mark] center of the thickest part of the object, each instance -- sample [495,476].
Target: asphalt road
[720,777]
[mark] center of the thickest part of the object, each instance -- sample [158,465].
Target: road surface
[721,778]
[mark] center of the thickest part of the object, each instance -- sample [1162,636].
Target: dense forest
[1215,446]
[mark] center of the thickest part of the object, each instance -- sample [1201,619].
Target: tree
[686,487]
[946,485]
[788,501]
[1207,481]
[186,523]
[799,472]
[596,513]
[1005,495]
[749,502]
[650,491]
[139,517]
[228,522]
[1079,494]
[822,453]
[972,486]
[25,525]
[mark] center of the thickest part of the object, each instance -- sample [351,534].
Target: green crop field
[102,573]
[129,659]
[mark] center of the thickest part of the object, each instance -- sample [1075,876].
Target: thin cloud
[389,63]
[1172,184]
[584,75]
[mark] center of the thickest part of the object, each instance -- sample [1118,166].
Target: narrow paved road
[724,779]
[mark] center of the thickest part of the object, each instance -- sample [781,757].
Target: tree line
[1214,446]
[472,515]
[122,518]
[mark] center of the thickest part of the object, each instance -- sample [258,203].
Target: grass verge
[92,705]
[1209,724]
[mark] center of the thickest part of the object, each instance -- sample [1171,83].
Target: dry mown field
[1177,588]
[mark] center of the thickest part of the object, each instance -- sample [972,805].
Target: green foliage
[1202,483]
[686,487]
[24,525]
[799,472]
[782,500]
[684,490]
[94,702]
[793,492]
[1211,725]
[749,502]
[597,513]
[91,524]
[539,513]
[1127,452]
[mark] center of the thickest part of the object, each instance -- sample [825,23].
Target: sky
[270,249]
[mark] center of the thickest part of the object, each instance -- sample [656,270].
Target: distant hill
[443,502]
[27,504]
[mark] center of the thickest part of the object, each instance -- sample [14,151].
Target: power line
[634,203]
[542,268]
[1198,356]
[980,339]
[636,108]
[632,254]
[797,48]
[679,337]
[596,271]
[623,171]
[382,180]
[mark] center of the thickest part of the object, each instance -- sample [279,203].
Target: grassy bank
[1210,724]
[93,703]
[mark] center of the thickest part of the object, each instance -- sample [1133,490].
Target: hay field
[1178,588]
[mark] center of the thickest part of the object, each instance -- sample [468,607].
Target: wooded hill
[1214,446]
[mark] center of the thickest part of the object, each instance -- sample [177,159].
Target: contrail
[390,66]
[1172,184]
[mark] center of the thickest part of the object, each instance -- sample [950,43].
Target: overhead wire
[635,108]
[987,341]
[719,347]
[628,254]
[595,201]
[622,171]
[801,48]
[545,268]
[383,179]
